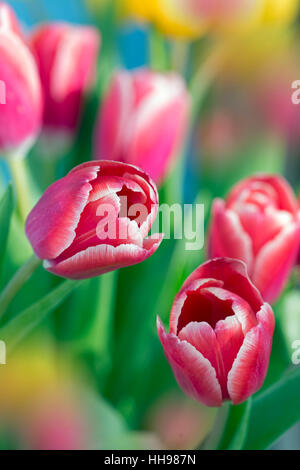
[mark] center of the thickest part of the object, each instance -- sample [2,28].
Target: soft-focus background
[94,375]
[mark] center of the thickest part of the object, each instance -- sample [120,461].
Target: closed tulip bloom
[143,121]
[66,56]
[220,336]
[20,89]
[258,224]
[95,220]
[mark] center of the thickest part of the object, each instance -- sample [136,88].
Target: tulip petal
[228,238]
[233,274]
[203,338]
[113,118]
[240,308]
[275,261]
[157,136]
[181,298]
[51,225]
[101,259]
[193,372]
[285,197]
[250,366]
[230,337]
[20,117]
[66,56]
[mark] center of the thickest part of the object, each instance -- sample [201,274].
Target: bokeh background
[94,374]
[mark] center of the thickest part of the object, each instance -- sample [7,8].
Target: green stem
[26,321]
[213,439]
[180,54]
[98,337]
[18,280]
[20,177]
[158,52]
[203,79]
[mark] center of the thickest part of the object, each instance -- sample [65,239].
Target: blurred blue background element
[32,11]
[132,40]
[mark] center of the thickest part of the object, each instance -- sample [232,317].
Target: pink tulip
[258,224]
[8,19]
[143,120]
[95,220]
[220,336]
[66,56]
[21,99]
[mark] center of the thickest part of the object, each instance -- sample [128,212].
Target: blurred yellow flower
[170,16]
[27,375]
[280,11]
[244,55]
[192,18]
[139,9]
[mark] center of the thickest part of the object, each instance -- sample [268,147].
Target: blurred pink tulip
[220,336]
[143,120]
[180,423]
[57,424]
[258,224]
[216,10]
[8,19]
[95,220]
[21,99]
[66,56]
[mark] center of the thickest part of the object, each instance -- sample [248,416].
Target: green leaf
[236,427]
[274,411]
[6,209]
[110,430]
[20,326]
[93,306]
[280,359]
[289,319]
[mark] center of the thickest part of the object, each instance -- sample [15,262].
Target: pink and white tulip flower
[143,121]
[220,336]
[95,220]
[259,224]
[21,98]
[66,56]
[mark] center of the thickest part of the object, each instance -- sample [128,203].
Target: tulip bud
[20,101]
[220,336]
[258,224]
[95,220]
[143,120]
[66,56]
